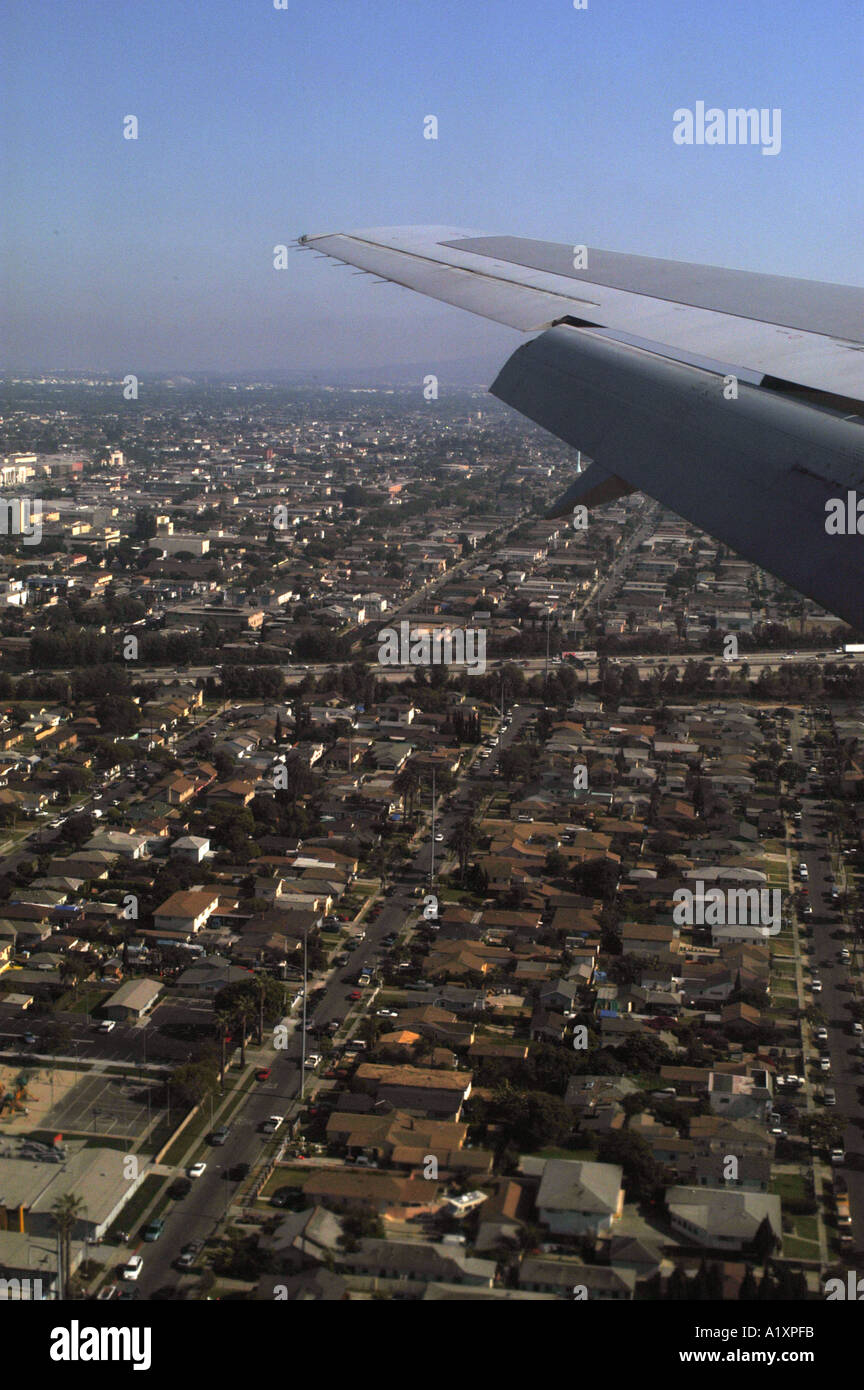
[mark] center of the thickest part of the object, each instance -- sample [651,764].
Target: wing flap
[802,332]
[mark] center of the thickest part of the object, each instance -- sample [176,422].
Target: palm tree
[462,842]
[407,784]
[64,1215]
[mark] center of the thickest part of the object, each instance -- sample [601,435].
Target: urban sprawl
[403,895]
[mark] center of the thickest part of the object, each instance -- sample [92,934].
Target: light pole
[303,1038]
[432,858]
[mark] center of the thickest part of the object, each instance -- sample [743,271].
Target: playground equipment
[12,1102]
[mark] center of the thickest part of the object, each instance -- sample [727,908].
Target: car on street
[273,1122]
[219,1136]
[189,1254]
[132,1267]
[153,1230]
[355,995]
[387,1013]
[830,1096]
[30,1039]
[312,1061]
[107,1025]
[196,1171]
[262,1074]
[824,1063]
[838,1155]
[857,1030]
[821,1034]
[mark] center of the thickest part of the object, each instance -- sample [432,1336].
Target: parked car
[838,1155]
[262,1074]
[153,1230]
[132,1267]
[197,1170]
[821,1034]
[189,1254]
[830,1097]
[816,987]
[312,1061]
[219,1136]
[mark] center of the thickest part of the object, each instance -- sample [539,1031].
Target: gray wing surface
[632,365]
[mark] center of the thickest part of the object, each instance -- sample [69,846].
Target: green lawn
[135,1208]
[796,1249]
[788,1187]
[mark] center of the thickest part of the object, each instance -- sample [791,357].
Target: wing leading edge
[629,366]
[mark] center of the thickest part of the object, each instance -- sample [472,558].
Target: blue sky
[257,124]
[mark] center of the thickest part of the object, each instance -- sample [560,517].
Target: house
[132,1000]
[118,842]
[719,1218]
[578,1198]
[389,1195]
[186,911]
[190,849]
[433,1093]
[571,1279]
[416,1262]
[741,1097]
[208,976]
[304,1239]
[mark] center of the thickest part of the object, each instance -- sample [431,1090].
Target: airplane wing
[736,399]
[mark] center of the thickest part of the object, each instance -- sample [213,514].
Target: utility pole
[303,1039]
[432,859]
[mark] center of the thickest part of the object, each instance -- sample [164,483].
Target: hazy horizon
[256,125]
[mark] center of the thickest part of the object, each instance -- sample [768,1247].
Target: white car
[107,1025]
[312,1061]
[816,987]
[132,1267]
[821,1034]
[197,1170]
[838,1156]
[387,1013]
[857,1030]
